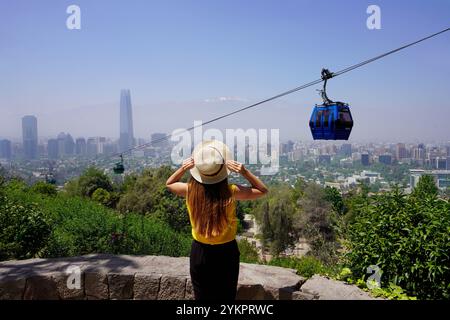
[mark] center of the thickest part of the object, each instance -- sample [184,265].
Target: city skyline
[202,67]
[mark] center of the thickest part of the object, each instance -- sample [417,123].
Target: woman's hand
[173,184]
[258,189]
[235,166]
[188,164]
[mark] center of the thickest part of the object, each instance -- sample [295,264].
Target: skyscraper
[80,148]
[91,147]
[30,137]
[69,145]
[126,140]
[66,145]
[346,149]
[365,159]
[385,158]
[419,153]
[5,149]
[52,149]
[401,152]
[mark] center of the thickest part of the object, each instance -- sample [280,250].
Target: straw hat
[210,158]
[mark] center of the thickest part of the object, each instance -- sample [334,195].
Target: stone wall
[103,276]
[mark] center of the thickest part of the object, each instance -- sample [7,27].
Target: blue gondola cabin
[331,121]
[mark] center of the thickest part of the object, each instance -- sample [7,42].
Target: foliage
[316,223]
[425,187]
[86,227]
[333,196]
[391,292]
[407,237]
[80,226]
[147,194]
[248,251]
[101,196]
[85,185]
[353,201]
[44,188]
[243,208]
[275,214]
[306,266]
[2,178]
[345,274]
[446,193]
[267,232]
[24,230]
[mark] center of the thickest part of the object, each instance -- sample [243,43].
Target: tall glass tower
[126,121]
[30,137]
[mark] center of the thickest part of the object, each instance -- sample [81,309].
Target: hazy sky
[194,60]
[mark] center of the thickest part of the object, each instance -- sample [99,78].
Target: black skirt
[214,270]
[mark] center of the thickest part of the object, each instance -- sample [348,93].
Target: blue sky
[179,57]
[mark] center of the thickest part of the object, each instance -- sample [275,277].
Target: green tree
[44,188]
[147,194]
[2,176]
[85,185]
[298,191]
[275,215]
[315,223]
[408,238]
[282,227]
[333,196]
[426,187]
[91,180]
[248,252]
[101,196]
[24,230]
[266,228]
[354,200]
[2,184]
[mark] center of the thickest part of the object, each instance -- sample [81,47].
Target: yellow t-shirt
[229,233]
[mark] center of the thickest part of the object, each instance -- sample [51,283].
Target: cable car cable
[304,86]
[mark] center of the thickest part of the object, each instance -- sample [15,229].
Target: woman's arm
[173,184]
[257,190]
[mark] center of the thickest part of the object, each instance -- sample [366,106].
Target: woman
[211,203]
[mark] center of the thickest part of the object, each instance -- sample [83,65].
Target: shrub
[248,252]
[44,188]
[88,182]
[408,238]
[24,230]
[147,194]
[101,196]
[82,226]
[275,215]
[317,221]
[306,266]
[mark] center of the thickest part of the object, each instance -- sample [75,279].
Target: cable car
[119,168]
[331,120]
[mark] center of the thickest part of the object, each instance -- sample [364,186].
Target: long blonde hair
[208,204]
